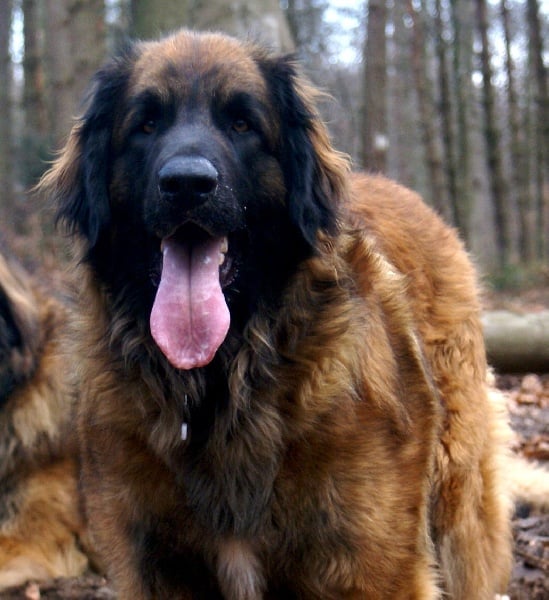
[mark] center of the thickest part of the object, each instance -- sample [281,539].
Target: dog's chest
[228,482]
[239,572]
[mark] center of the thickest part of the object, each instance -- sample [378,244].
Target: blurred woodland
[449,97]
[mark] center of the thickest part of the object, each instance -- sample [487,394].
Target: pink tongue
[190,318]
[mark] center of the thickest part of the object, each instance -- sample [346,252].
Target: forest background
[449,97]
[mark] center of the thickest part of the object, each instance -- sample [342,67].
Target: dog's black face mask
[202,188]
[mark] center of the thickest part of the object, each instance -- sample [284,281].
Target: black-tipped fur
[310,203]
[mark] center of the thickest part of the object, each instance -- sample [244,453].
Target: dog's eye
[241,126]
[149,126]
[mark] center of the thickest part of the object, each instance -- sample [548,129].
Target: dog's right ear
[78,180]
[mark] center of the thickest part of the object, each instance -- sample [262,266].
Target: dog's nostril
[175,184]
[188,176]
[203,185]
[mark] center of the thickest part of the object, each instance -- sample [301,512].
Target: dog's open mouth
[190,317]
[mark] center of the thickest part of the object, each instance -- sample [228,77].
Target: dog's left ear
[316,175]
[78,180]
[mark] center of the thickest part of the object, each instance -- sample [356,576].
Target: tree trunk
[75,47]
[307,28]
[153,18]
[6,133]
[498,184]
[34,93]
[33,153]
[519,162]
[262,20]
[58,63]
[542,126]
[88,38]
[426,106]
[374,113]
[403,163]
[463,25]
[446,115]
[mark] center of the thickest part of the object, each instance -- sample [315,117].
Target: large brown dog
[41,524]
[283,368]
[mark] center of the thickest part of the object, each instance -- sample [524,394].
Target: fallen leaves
[528,405]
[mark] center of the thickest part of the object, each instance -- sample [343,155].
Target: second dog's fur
[41,524]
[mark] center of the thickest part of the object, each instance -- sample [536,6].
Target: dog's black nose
[189,179]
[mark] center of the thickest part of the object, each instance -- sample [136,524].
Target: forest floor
[528,405]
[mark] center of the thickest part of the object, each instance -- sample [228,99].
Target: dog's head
[200,177]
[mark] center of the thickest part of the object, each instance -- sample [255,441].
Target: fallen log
[517,342]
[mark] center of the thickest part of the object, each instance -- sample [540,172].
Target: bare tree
[262,20]
[426,106]
[542,123]
[75,47]
[498,184]
[35,127]
[6,133]
[152,18]
[401,126]
[518,149]
[374,111]
[309,31]
[34,92]
[446,115]
[58,63]
[462,15]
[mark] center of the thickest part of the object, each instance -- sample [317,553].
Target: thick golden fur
[40,518]
[342,442]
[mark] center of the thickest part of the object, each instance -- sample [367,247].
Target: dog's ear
[315,174]
[78,180]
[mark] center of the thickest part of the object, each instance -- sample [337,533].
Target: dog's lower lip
[227,269]
[223,251]
[227,272]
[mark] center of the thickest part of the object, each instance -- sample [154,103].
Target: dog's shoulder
[416,241]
